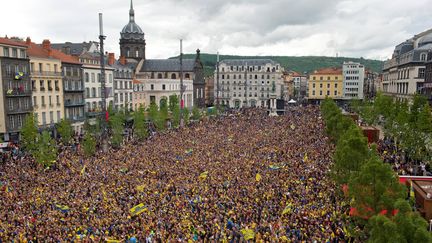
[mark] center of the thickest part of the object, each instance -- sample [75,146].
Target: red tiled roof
[329,71]
[38,51]
[6,41]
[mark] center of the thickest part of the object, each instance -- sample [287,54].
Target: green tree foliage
[176,116]
[336,123]
[351,153]
[65,130]
[186,117]
[89,144]
[140,126]
[46,152]
[117,128]
[299,64]
[375,188]
[173,102]
[163,114]
[29,134]
[196,113]
[406,226]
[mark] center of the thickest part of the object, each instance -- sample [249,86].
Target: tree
[65,130]
[173,102]
[375,188]
[117,128]
[186,116]
[196,114]
[163,114]
[351,153]
[140,126]
[29,134]
[405,226]
[89,144]
[176,116]
[46,152]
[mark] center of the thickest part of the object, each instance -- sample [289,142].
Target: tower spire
[131,13]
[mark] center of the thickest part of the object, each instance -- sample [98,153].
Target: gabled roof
[75,49]
[328,71]
[167,65]
[7,41]
[37,50]
[249,62]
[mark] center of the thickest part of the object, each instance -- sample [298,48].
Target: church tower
[132,42]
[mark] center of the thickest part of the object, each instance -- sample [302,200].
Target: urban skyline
[293,30]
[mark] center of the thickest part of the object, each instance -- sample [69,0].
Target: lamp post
[217,81]
[104,119]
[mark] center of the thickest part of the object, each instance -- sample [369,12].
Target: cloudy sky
[353,28]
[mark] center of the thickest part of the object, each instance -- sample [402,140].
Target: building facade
[427,90]
[139,95]
[15,88]
[209,91]
[404,73]
[47,84]
[353,80]
[161,79]
[123,83]
[248,82]
[327,82]
[92,83]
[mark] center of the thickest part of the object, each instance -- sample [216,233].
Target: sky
[350,28]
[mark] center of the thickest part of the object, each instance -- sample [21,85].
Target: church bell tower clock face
[132,42]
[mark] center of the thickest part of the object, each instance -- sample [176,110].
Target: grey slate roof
[76,49]
[167,65]
[249,62]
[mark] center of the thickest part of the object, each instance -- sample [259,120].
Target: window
[313,78]
[51,117]
[320,92]
[328,86]
[22,54]
[58,99]
[152,86]
[99,77]
[328,92]
[56,85]
[423,57]
[41,85]
[173,76]
[34,101]
[163,86]
[93,92]
[58,116]
[44,118]
[335,86]
[14,52]
[87,77]
[93,77]
[49,100]
[421,73]
[6,51]
[335,92]
[321,85]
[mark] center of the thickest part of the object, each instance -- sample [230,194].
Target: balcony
[76,119]
[93,113]
[17,92]
[19,110]
[69,103]
[75,88]
[46,74]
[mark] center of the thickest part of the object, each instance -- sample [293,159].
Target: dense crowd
[241,177]
[401,164]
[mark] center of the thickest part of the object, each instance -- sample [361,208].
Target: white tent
[292,101]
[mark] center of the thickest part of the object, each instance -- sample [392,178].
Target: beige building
[47,84]
[139,95]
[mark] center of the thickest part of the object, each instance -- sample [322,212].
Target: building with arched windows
[404,73]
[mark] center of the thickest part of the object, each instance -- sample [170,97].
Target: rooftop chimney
[46,44]
[28,41]
[122,60]
[111,59]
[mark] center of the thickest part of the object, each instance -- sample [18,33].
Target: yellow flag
[203,175]
[113,241]
[287,209]
[140,188]
[138,209]
[83,170]
[248,234]
[305,158]
[258,177]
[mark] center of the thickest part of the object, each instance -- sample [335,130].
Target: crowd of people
[401,164]
[242,177]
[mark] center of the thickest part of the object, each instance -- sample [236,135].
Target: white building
[123,83]
[92,83]
[248,82]
[161,79]
[353,80]
[404,73]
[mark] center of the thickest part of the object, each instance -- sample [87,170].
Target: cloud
[367,28]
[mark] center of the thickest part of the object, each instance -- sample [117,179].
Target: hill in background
[298,64]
